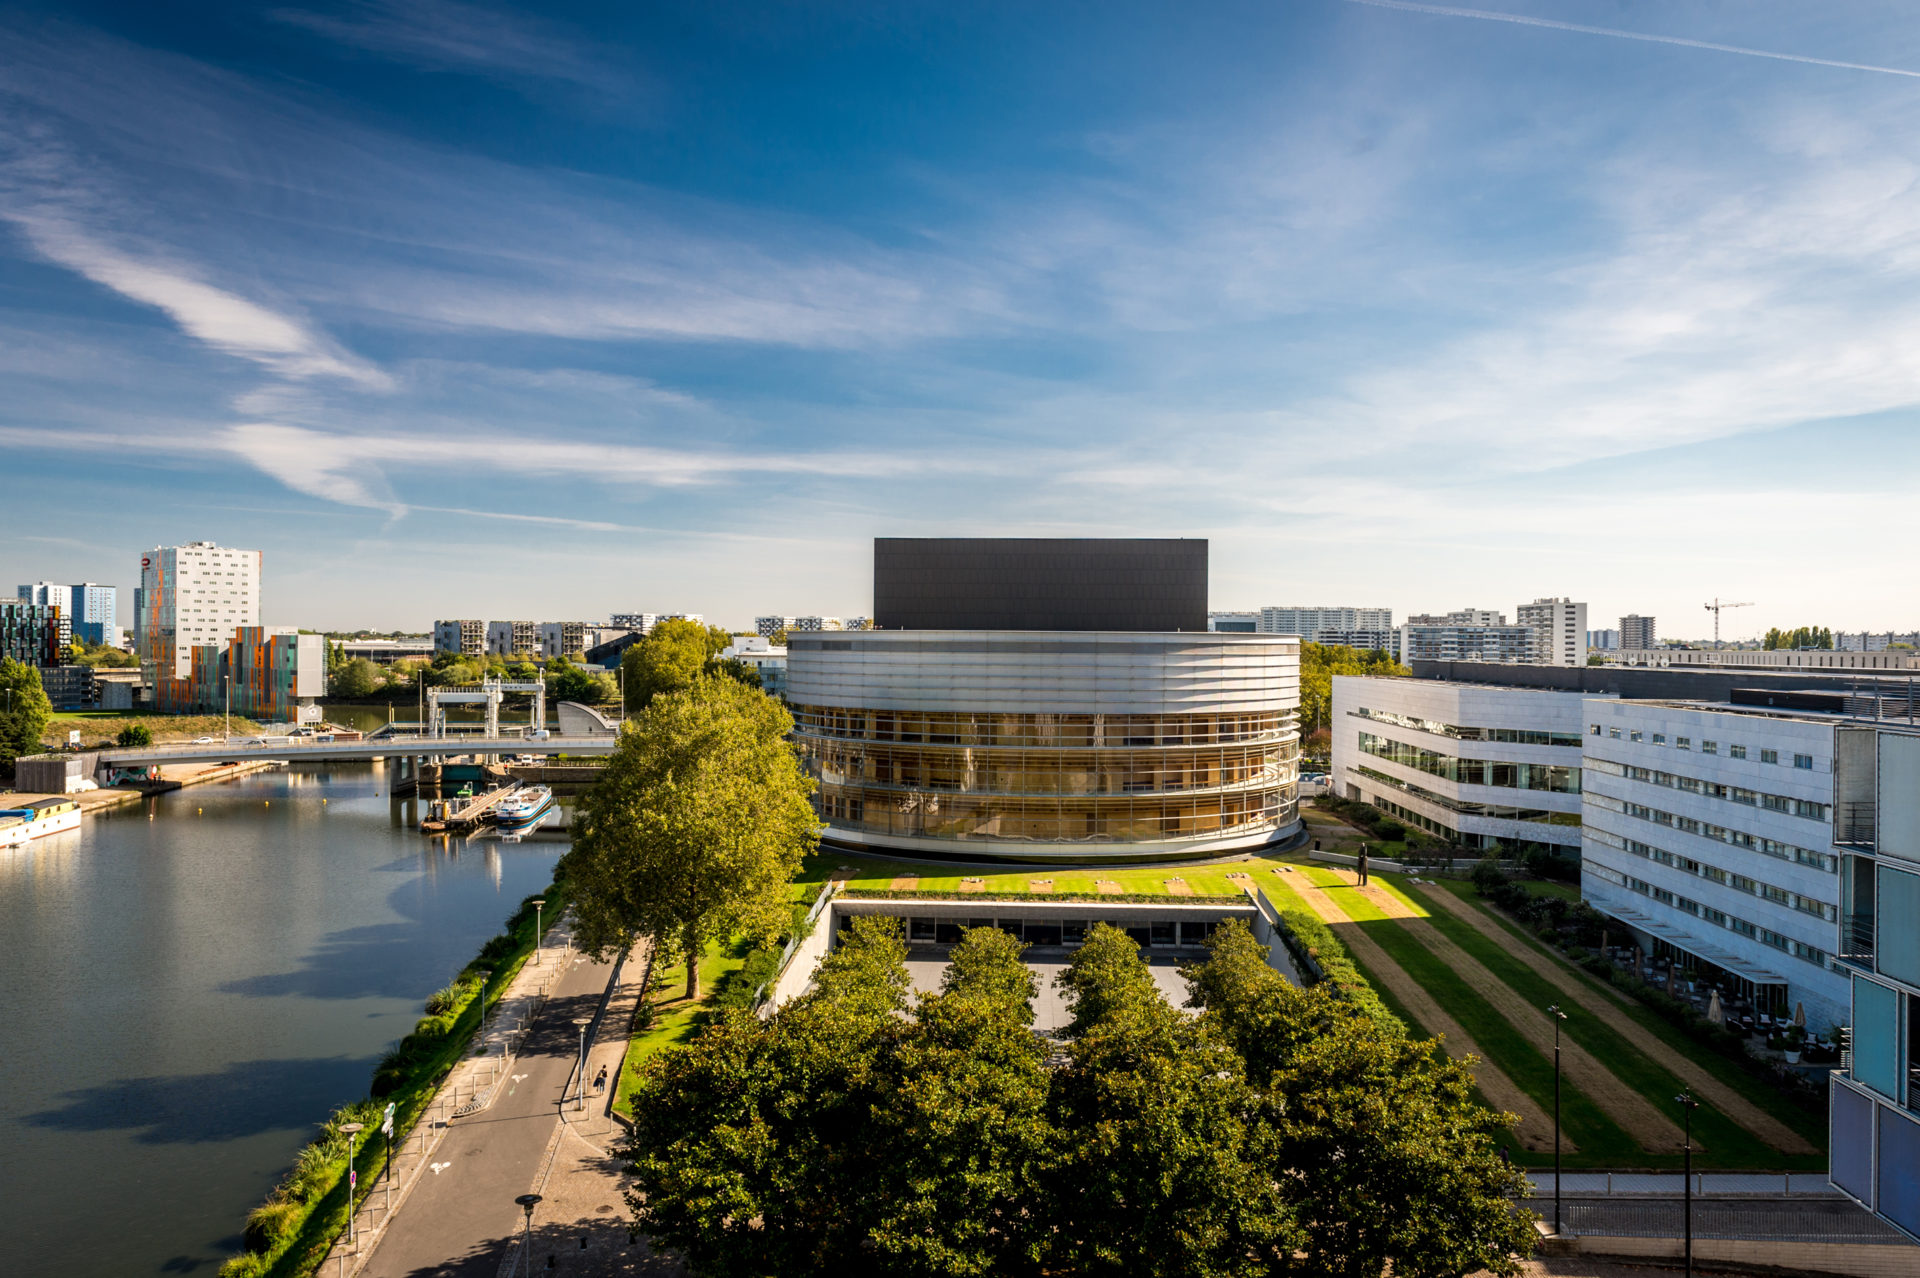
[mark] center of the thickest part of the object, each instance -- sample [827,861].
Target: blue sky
[465,309]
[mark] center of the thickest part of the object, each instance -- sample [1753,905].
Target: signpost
[386,1129]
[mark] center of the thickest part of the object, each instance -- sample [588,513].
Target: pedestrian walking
[1363,865]
[600,1082]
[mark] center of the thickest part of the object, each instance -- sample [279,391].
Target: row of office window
[1506,736]
[1513,776]
[1714,874]
[1708,830]
[1802,761]
[1781,803]
[1469,808]
[1511,846]
[1733,923]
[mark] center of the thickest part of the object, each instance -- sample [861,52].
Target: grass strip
[1601,1141]
[675,1021]
[1808,1122]
[1728,1145]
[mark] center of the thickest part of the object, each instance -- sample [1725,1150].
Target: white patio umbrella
[1715,1012]
[1800,1015]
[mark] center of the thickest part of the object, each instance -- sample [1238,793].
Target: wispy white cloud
[450,35]
[1616,33]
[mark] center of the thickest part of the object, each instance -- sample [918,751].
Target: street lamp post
[539,904]
[527,1202]
[226,721]
[1558,1016]
[582,1022]
[353,1175]
[1687,1105]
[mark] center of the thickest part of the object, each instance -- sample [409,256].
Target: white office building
[1475,764]
[1708,832]
[767,627]
[1562,626]
[191,595]
[1635,632]
[768,658]
[1310,622]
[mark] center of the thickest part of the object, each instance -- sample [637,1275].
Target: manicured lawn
[675,1019]
[937,877]
[1808,1122]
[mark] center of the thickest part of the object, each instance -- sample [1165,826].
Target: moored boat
[523,809]
[39,819]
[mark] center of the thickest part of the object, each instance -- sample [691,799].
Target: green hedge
[1338,966]
[289,1235]
[1030,898]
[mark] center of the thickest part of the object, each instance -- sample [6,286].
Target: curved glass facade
[1052,778]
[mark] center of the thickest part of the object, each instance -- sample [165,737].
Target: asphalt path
[461,1218]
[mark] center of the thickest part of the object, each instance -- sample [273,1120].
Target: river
[190,985]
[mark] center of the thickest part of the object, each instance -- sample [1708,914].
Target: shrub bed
[1337,966]
[289,1235]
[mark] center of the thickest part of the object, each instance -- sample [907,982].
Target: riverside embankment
[195,982]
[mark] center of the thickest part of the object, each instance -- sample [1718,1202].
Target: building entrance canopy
[1707,953]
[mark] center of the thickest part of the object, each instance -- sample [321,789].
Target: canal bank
[196,982]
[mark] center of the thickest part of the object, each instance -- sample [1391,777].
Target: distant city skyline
[679,308]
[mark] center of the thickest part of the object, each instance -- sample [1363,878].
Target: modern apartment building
[1602,640]
[267,671]
[1475,764]
[191,596]
[33,633]
[644,622]
[1874,1104]
[767,627]
[1310,622]
[512,638]
[468,637]
[1636,632]
[1387,641]
[90,607]
[1562,627]
[563,639]
[1234,623]
[815,624]
[1470,634]
[1709,833]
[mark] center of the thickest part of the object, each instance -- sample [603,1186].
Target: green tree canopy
[356,678]
[669,658]
[101,656]
[859,1131]
[24,711]
[696,826]
[1799,637]
[134,736]
[1320,662]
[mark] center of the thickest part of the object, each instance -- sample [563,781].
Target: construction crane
[1715,608]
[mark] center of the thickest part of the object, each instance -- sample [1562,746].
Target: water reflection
[192,983]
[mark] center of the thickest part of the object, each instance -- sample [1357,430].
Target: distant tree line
[1319,663]
[1802,637]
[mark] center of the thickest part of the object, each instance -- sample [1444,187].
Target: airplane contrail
[1521,20]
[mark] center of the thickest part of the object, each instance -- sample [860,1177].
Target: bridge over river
[293,749]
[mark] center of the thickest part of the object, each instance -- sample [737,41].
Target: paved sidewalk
[582,1225]
[1586,1184]
[454,1188]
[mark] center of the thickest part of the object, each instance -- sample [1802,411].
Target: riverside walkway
[454,1212]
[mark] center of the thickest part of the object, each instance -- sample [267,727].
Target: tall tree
[695,827]
[355,678]
[671,656]
[24,711]
[1319,663]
